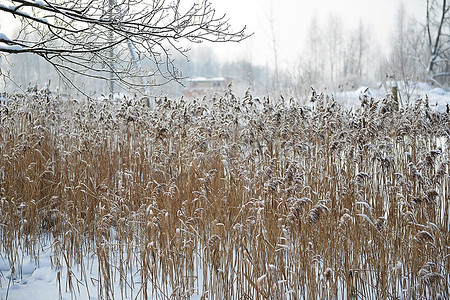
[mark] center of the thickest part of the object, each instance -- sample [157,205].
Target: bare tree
[404,61]
[438,34]
[96,37]
[356,51]
[314,54]
[334,39]
[272,31]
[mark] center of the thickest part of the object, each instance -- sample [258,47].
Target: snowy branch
[78,36]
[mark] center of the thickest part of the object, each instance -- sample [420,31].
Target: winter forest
[212,149]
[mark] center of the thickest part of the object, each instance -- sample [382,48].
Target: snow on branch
[80,36]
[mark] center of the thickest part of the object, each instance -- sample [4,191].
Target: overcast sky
[292,19]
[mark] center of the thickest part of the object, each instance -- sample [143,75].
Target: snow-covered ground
[438,98]
[45,280]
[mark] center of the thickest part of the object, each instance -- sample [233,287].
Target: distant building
[200,86]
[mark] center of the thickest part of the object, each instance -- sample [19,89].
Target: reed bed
[236,198]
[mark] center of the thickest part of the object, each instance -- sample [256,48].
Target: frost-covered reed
[230,199]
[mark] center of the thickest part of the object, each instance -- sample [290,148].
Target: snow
[41,3]
[11,48]
[438,98]
[39,280]
[9,7]
[4,38]
[15,10]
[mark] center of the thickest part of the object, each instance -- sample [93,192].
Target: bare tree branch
[78,36]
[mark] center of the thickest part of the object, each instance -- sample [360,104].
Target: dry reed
[232,199]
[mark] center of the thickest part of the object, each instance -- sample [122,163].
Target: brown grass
[265,200]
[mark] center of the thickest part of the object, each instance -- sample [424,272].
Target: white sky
[292,19]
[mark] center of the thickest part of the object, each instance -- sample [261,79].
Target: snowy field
[41,278]
[437,97]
